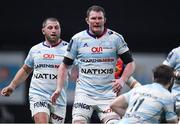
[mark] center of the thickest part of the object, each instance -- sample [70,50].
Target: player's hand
[7,91]
[117,85]
[54,96]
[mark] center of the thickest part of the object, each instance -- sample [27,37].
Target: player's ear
[87,21]
[43,31]
[104,20]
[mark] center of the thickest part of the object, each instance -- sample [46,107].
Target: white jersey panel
[147,104]
[45,61]
[173,60]
[96,58]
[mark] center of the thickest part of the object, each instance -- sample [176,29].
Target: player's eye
[50,27]
[57,27]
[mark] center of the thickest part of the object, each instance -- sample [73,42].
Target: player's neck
[52,44]
[97,34]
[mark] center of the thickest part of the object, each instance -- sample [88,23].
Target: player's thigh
[39,108]
[82,110]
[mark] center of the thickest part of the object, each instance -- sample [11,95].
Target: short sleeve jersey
[148,103]
[96,57]
[45,61]
[173,60]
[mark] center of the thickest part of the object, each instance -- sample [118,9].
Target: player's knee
[79,120]
[41,117]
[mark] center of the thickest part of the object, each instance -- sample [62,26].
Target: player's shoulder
[112,32]
[80,34]
[174,52]
[64,43]
[177,49]
[37,46]
[167,96]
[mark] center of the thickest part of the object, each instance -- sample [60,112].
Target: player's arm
[132,82]
[128,71]
[119,105]
[170,115]
[130,65]
[62,75]
[20,77]
[74,74]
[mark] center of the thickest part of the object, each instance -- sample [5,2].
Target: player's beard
[53,39]
[97,30]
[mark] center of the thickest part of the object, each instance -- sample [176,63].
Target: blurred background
[150,27]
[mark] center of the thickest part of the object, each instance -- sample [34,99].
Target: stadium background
[148,26]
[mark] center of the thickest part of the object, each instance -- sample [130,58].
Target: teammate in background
[148,103]
[43,59]
[119,68]
[173,60]
[96,50]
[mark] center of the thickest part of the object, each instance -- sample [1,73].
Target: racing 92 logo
[96,49]
[48,56]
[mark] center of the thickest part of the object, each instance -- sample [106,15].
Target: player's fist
[117,85]
[7,91]
[54,96]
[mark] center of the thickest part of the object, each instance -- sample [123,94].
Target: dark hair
[95,8]
[49,19]
[163,74]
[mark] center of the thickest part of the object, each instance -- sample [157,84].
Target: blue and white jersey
[45,61]
[173,60]
[147,104]
[96,59]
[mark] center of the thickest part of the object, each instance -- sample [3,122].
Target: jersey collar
[47,45]
[97,36]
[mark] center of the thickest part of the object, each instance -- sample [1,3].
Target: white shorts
[39,104]
[84,106]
